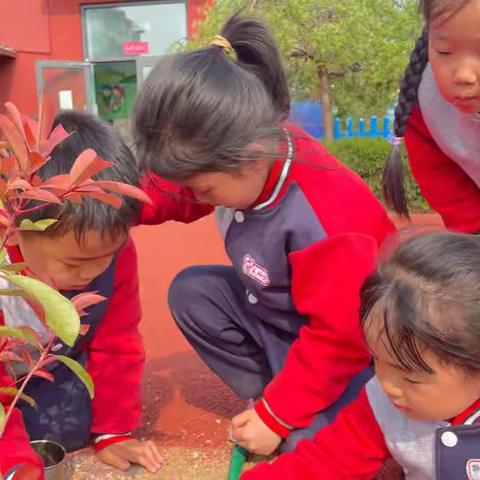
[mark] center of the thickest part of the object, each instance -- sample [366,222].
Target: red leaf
[58,184]
[19,184]
[124,189]
[108,198]
[86,188]
[3,186]
[17,142]
[28,472]
[10,357]
[31,128]
[36,161]
[41,195]
[87,164]
[84,328]
[4,220]
[58,135]
[36,181]
[15,117]
[74,197]
[48,359]
[46,116]
[26,358]
[42,373]
[9,167]
[85,300]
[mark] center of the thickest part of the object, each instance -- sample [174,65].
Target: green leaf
[3,253]
[13,267]
[12,391]
[38,226]
[2,417]
[18,334]
[60,314]
[79,371]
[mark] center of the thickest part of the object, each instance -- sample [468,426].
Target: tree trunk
[326,100]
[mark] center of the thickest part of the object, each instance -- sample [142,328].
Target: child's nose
[466,74]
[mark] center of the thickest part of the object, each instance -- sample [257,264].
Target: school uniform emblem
[255,271]
[473,469]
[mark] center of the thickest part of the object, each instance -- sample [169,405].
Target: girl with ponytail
[279,326]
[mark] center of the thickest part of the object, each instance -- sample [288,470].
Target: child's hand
[121,455]
[249,431]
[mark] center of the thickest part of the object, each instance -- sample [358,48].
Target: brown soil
[187,409]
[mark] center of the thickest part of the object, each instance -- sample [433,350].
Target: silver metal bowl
[53,456]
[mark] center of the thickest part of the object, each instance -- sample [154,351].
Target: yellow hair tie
[222,42]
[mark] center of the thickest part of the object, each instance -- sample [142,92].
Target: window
[125,30]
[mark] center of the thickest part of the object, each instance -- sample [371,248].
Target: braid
[412,77]
[393,188]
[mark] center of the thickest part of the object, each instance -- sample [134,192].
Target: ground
[187,409]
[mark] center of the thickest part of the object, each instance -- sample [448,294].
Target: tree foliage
[361,47]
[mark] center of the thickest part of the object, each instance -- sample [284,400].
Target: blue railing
[308,115]
[373,130]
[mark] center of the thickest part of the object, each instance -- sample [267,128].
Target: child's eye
[409,380]
[70,265]
[443,52]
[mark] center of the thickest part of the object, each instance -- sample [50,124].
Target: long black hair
[207,110]
[426,296]
[393,178]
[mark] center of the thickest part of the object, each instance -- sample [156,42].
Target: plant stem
[25,382]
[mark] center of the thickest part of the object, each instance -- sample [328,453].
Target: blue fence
[308,115]
[373,130]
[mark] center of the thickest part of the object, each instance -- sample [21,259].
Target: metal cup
[53,456]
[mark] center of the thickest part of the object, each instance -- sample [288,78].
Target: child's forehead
[91,244]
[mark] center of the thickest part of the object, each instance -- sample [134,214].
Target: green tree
[348,54]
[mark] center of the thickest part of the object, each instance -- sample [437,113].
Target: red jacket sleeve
[445,185]
[330,349]
[352,447]
[15,450]
[170,202]
[116,355]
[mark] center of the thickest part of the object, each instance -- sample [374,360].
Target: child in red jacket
[420,313]
[301,230]
[438,113]
[87,250]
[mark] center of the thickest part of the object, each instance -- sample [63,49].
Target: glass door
[145,65]
[66,85]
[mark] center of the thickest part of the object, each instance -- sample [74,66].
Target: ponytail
[257,52]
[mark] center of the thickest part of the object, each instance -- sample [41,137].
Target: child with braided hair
[438,114]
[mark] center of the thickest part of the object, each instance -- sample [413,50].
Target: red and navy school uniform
[444,152]
[112,352]
[370,431]
[282,322]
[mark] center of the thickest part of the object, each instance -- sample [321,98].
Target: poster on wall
[115,88]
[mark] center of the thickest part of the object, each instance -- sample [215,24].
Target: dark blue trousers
[209,305]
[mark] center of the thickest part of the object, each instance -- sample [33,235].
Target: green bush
[366,156]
